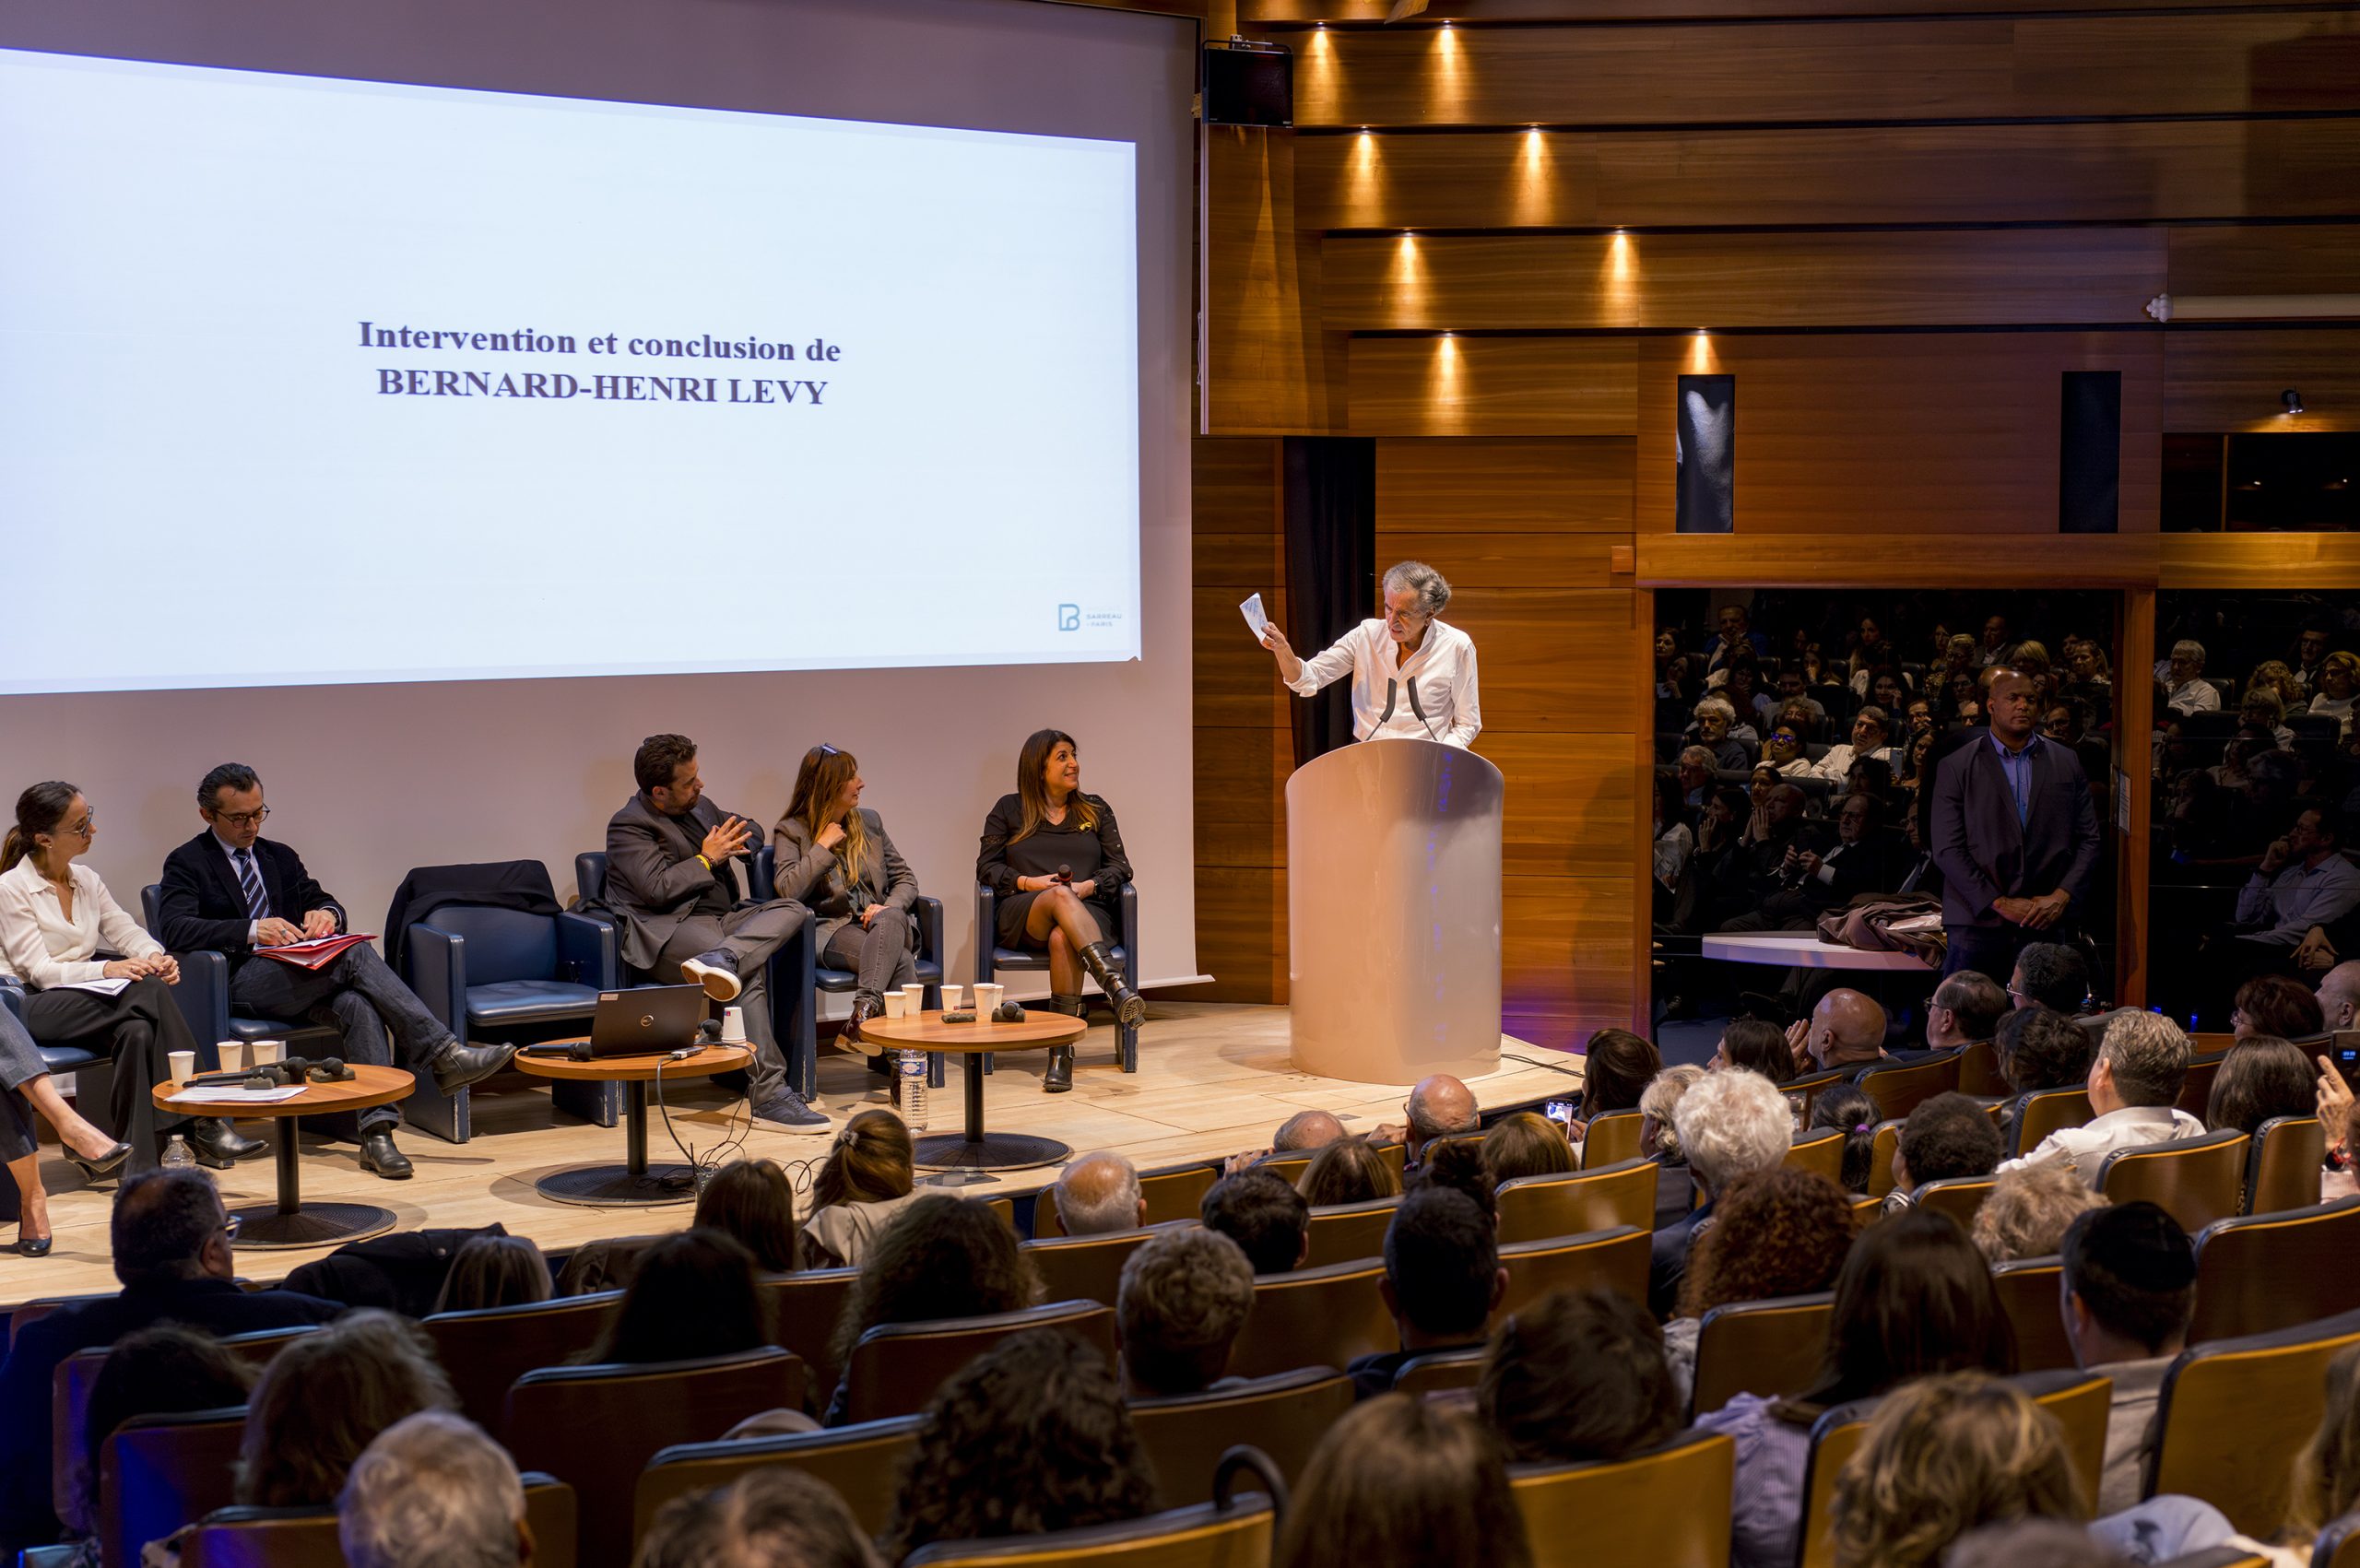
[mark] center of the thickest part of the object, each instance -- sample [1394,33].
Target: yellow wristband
[703,862]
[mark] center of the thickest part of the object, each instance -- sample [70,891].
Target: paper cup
[988,998]
[733,1026]
[267,1053]
[950,999]
[895,1004]
[184,1064]
[913,1000]
[232,1053]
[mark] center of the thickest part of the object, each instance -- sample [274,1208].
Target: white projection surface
[325,380]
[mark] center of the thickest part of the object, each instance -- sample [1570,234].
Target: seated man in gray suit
[672,889]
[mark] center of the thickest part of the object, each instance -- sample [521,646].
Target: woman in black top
[1055,860]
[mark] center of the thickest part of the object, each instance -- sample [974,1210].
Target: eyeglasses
[230,1224]
[82,828]
[244,818]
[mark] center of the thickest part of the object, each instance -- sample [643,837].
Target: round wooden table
[634,1183]
[292,1222]
[976,1150]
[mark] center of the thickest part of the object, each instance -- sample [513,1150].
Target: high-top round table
[974,1148]
[634,1184]
[292,1222]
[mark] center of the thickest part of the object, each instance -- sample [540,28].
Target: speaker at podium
[1393,913]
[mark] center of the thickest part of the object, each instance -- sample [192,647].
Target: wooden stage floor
[1213,1079]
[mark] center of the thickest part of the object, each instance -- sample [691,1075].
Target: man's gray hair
[1661,1097]
[1722,706]
[1875,715]
[2188,647]
[1432,589]
[1098,1194]
[431,1492]
[1732,1124]
[1426,1121]
[1699,755]
[2148,1054]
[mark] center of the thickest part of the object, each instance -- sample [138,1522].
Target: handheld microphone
[1065,873]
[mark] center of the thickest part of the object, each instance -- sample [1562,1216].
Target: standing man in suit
[671,887]
[232,890]
[2015,833]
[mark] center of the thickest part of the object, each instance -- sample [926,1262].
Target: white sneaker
[720,983]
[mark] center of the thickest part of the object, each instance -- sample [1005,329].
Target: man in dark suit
[672,890]
[171,1242]
[1816,877]
[2015,833]
[232,890]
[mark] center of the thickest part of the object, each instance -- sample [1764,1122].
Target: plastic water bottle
[913,1069]
[177,1155]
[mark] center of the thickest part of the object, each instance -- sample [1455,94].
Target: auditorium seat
[2339,1544]
[1771,1348]
[1313,1317]
[1821,1152]
[595,1426]
[2234,1413]
[487,1350]
[1084,1269]
[1898,1088]
[2044,1111]
[991,958]
[1667,1506]
[40,1307]
[1342,1232]
[93,1079]
[2282,1167]
[2029,1294]
[895,1367]
[803,1309]
[2196,1089]
[1239,1534]
[1615,1259]
[1884,1143]
[1441,1371]
[1958,1197]
[157,1473]
[2195,1180]
[859,1461]
[306,1537]
[1173,1192]
[1978,1069]
[1288,1167]
[1286,1414]
[2255,1273]
[1802,1091]
[1535,1209]
[1611,1138]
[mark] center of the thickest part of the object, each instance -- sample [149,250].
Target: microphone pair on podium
[277,1075]
[1414,708]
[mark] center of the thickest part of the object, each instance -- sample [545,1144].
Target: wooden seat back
[1613,1136]
[485,1351]
[896,1367]
[1615,1259]
[1883,1144]
[1899,1087]
[1535,1209]
[2236,1412]
[1768,1347]
[157,1473]
[1440,1372]
[2045,1110]
[1819,1151]
[803,1309]
[1240,1534]
[2028,1291]
[2258,1273]
[1670,1506]
[1958,1197]
[2195,1180]
[1323,1317]
[2282,1167]
[306,1537]
[1285,1414]
[861,1462]
[1340,1232]
[1978,1069]
[1084,1269]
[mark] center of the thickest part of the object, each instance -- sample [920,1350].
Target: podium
[1393,912]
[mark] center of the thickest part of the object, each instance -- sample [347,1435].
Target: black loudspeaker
[2089,453]
[1250,84]
[1704,457]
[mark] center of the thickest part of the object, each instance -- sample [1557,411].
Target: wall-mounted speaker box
[1250,84]
[2089,453]
[1704,455]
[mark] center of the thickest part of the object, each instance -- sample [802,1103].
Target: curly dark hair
[1032,1435]
[2279,1005]
[1459,1165]
[2041,1048]
[659,758]
[1782,1233]
[943,1256]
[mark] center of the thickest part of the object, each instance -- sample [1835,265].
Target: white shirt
[40,947]
[2341,707]
[2084,1148]
[1443,667]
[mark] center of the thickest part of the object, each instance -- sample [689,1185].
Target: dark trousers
[879,955]
[360,999]
[139,1027]
[749,936]
[1993,950]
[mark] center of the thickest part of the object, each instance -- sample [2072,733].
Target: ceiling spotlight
[2293,399]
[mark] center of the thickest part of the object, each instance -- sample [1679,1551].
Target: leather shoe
[1058,1080]
[456,1065]
[34,1246]
[380,1157]
[217,1144]
[105,1165]
[863,1009]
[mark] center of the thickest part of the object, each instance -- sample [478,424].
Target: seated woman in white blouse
[1413,677]
[55,917]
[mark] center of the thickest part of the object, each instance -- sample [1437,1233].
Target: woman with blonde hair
[1402,1483]
[1942,1456]
[1056,863]
[2028,1211]
[1527,1144]
[868,1178]
[325,1398]
[835,858]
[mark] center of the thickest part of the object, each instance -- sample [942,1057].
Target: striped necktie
[250,878]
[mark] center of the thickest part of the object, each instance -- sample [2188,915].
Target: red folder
[317,953]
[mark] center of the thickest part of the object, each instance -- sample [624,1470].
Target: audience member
[1306,1130]
[2339,996]
[2130,1294]
[1659,1142]
[1402,1483]
[1940,1457]
[754,1201]
[2182,674]
[1914,1299]
[2260,1078]
[2326,1474]
[1965,1010]
[867,1179]
[1947,1136]
[170,1239]
[325,1398]
[1578,1377]
[1780,1232]
[1264,1215]
[1871,737]
[1730,1124]
[166,1369]
[1184,1297]
[2141,1068]
[944,1257]
[1527,1144]
[1460,1166]
[2339,682]
[494,1271]
[693,1295]
[2039,1048]
[1442,1280]
[768,1518]
[1438,1106]
[1758,1047]
[2049,975]
[1098,1195]
[432,1492]
[1032,1436]
[2029,1210]
[1846,1108]
[1616,1070]
[1714,720]
[1349,1170]
[2279,1005]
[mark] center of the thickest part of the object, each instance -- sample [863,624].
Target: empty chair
[1616,1259]
[242,1537]
[1768,1347]
[1084,1269]
[1346,1230]
[1172,1192]
[1820,1152]
[487,1350]
[2030,1290]
[1286,1414]
[2282,1167]
[1313,1317]
[595,1426]
[2260,1272]
[2196,1180]
[1535,1209]
[2044,1110]
[1438,1372]
[157,1473]
[1613,1136]
[803,1309]
[1898,1088]
[896,1367]
[1238,1534]
[1958,1197]
[1668,1506]
[859,1461]
[2236,1412]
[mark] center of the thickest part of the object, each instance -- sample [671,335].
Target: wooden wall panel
[1439,387]
[1502,486]
[1532,648]
[2096,173]
[1564,957]
[2268,562]
[2311,259]
[1601,282]
[1951,69]
[1897,435]
[1285,14]
[2230,378]
[1571,806]
[1481,560]
[1263,363]
[1241,935]
[1932,561]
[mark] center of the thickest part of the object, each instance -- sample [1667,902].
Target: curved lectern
[1393,912]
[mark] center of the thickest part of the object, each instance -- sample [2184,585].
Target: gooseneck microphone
[1420,712]
[1390,691]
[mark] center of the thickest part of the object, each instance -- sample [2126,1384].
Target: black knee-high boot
[1130,1007]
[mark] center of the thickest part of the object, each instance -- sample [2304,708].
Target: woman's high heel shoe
[34,1246]
[105,1165]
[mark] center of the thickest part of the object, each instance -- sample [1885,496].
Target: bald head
[2340,996]
[1307,1129]
[1100,1193]
[1847,1028]
[1439,1105]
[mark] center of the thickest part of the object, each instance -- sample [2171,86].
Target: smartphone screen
[1559,1111]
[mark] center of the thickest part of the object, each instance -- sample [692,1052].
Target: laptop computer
[646,1020]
